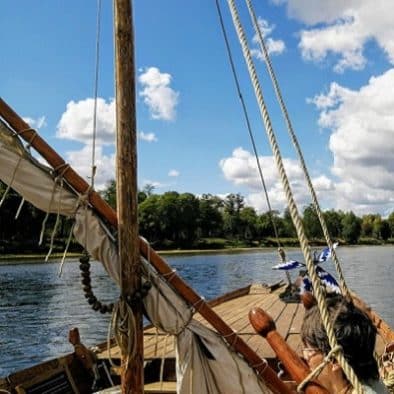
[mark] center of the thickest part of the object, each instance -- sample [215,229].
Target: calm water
[37,308]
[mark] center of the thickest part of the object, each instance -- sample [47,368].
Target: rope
[251,135]
[54,231]
[163,361]
[66,250]
[19,208]
[297,148]
[96,91]
[123,327]
[290,199]
[236,80]
[316,372]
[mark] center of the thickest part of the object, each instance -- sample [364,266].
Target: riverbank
[34,258]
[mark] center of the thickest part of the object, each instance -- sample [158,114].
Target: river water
[37,307]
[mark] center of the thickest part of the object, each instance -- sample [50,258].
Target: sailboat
[189,348]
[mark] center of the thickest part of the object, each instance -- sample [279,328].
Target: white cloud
[342,28]
[149,137]
[81,162]
[155,184]
[362,143]
[36,123]
[158,95]
[241,170]
[274,47]
[173,173]
[76,123]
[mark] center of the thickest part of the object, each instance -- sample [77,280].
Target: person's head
[354,331]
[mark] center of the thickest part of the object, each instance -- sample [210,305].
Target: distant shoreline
[34,258]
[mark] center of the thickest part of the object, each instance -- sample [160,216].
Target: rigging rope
[252,139]
[297,147]
[228,49]
[322,305]
[97,66]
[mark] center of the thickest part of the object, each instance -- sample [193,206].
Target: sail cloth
[31,179]
[205,363]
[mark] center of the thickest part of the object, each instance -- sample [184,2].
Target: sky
[333,61]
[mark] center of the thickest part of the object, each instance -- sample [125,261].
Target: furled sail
[205,362]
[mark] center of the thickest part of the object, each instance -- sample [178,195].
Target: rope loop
[196,306]
[258,365]
[169,275]
[123,326]
[61,169]
[234,333]
[316,372]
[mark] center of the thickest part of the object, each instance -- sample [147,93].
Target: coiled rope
[297,147]
[322,305]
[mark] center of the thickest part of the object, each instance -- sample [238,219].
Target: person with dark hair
[355,333]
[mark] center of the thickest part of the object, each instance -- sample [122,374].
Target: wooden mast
[126,189]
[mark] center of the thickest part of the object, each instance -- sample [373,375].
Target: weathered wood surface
[234,309]
[287,316]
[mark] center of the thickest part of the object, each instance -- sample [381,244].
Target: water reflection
[37,308]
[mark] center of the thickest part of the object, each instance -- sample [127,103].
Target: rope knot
[328,358]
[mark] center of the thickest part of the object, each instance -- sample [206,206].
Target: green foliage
[390,220]
[311,223]
[173,220]
[333,221]
[109,194]
[351,225]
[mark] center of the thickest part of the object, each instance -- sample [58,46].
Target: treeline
[182,220]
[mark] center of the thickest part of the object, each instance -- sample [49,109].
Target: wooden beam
[126,191]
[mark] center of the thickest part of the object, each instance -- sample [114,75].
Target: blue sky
[333,60]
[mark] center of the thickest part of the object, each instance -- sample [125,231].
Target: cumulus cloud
[160,98]
[81,161]
[342,28]
[274,47]
[173,173]
[149,137]
[155,184]
[361,123]
[36,123]
[76,123]
[241,169]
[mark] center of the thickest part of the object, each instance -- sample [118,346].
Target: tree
[148,189]
[149,220]
[311,223]
[351,228]
[385,231]
[390,219]
[188,208]
[169,216]
[248,223]
[109,193]
[211,219]
[233,203]
[333,221]
[288,226]
[367,225]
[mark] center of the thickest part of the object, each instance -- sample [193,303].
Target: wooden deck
[234,309]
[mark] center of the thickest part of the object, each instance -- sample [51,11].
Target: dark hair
[354,331]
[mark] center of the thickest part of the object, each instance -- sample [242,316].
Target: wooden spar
[132,377]
[183,289]
[265,326]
